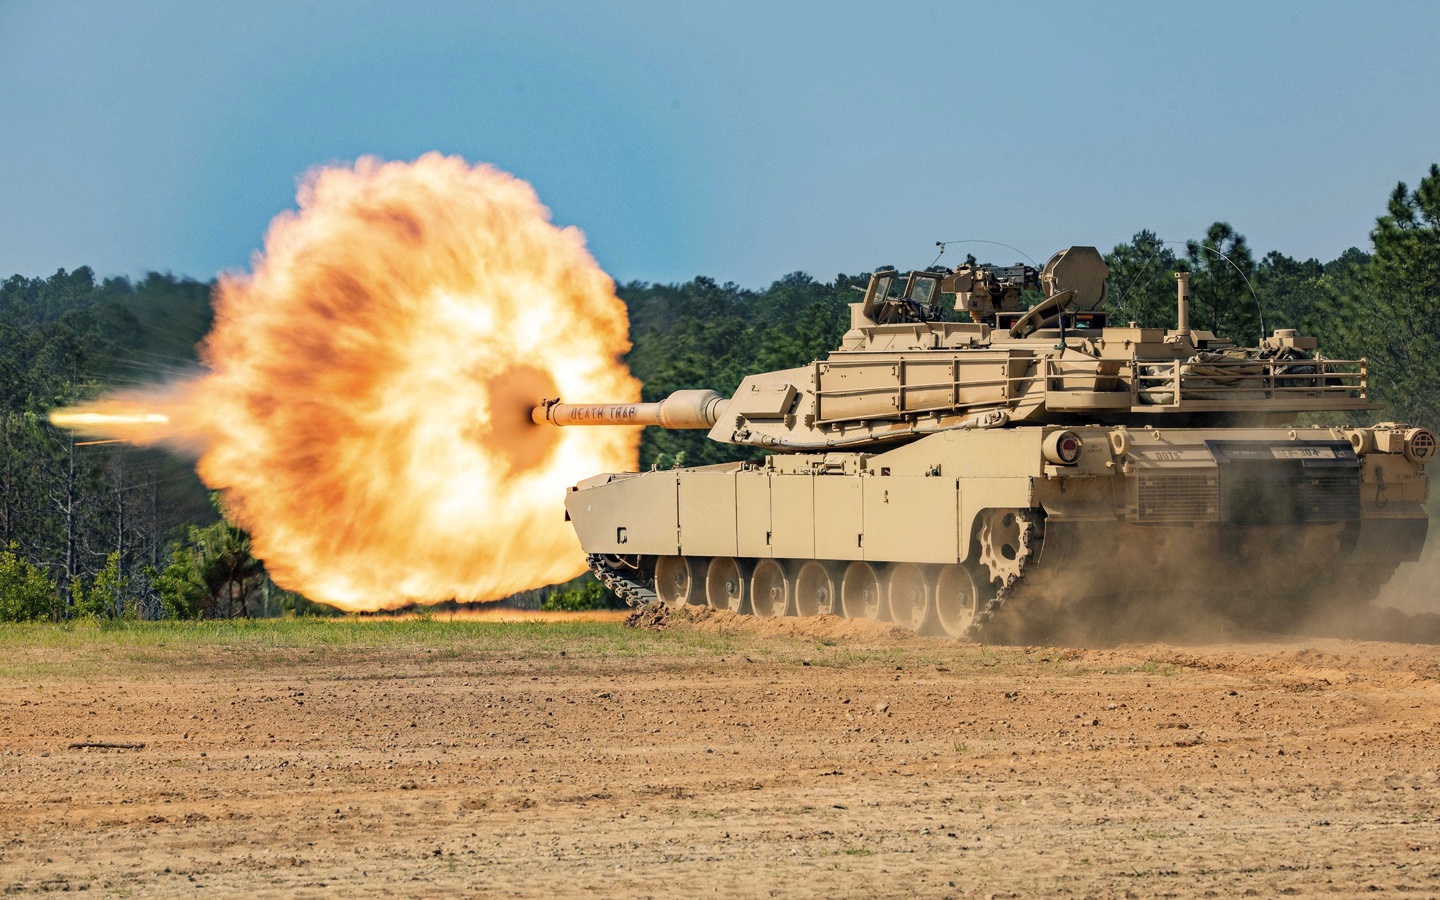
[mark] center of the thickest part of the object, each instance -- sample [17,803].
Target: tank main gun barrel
[682,409]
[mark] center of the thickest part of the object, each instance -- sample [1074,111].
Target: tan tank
[974,478]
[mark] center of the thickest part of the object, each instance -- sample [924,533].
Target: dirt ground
[714,756]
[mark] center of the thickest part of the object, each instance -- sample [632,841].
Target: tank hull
[978,533]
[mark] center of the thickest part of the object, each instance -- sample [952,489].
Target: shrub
[589,594]
[105,598]
[182,589]
[26,592]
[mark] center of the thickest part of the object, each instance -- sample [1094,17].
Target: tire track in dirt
[732,757]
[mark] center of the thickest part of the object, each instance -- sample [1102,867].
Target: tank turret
[937,473]
[901,372]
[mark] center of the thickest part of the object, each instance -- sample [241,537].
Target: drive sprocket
[1007,543]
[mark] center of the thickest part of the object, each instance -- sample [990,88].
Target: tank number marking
[1180,454]
[1303,452]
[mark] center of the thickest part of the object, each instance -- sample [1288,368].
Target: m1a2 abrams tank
[974,478]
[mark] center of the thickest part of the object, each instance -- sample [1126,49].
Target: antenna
[943,244]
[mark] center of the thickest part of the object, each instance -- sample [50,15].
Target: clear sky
[737,140]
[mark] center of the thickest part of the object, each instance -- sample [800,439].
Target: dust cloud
[1093,588]
[1415,587]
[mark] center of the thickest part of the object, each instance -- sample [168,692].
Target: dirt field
[710,757]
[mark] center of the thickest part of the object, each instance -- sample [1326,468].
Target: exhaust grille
[1330,496]
[1287,482]
[1293,498]
[1179,497]
[1308,497]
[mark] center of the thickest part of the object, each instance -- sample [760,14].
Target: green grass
[301,633]
[83,648]
[79,647]
[1164,670]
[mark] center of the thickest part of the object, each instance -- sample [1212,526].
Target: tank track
[626,584]
[978,628]
[1031,528]
[984,627]
[627,588]
[985,614]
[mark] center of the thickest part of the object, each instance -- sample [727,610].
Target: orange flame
[365,404]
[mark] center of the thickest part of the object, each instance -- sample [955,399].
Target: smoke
[364,402]
[1197,586]
[1412,589]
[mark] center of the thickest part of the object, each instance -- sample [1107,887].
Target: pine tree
[1398,323]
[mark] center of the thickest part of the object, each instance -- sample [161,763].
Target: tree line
[115,531]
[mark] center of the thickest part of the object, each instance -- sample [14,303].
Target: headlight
[1062,447]
[1420,445]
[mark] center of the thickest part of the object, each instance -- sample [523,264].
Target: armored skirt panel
[922,503]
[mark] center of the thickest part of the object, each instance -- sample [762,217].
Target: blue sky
[737,140]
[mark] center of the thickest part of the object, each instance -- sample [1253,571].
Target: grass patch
[413,645]
[81,648]
[322,634]
[1164,670]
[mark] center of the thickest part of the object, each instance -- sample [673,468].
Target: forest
[115,532]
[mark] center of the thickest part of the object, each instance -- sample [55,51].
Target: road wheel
[675,580]
[725,580]
[909,594]
[814,588]
[770,589]
[860,591]
[957,600]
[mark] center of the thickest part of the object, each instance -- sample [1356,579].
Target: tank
[989,478]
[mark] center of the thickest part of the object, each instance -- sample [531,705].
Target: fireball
[364,405]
